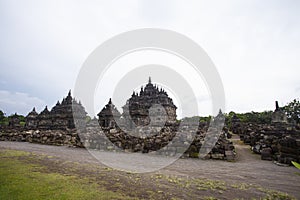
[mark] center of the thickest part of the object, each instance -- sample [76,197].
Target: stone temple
[108,114]
[61,117]
[151,104]
[56,126]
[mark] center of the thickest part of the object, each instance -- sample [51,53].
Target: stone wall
[51,137]
[97,138]
[166,140]
[277,141]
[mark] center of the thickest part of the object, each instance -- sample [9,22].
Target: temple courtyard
[248,177]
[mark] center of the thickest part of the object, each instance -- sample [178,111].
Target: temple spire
[277,106]
[149,79]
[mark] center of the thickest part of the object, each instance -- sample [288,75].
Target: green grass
[21,180]
[297,165]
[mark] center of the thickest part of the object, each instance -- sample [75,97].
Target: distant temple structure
[278,115]
[108,114]
[151,106]
[31,120]
[61,117]
[44,119]
[136,109]
[14,121]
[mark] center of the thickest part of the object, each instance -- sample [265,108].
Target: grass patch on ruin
[21,180]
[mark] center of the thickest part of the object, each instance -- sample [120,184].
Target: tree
[292,111]
[2,116]
[264,117]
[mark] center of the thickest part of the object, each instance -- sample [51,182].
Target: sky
[255,46]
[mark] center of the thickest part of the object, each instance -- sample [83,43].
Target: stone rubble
[278,141]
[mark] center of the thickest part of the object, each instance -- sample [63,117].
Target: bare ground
[248,177]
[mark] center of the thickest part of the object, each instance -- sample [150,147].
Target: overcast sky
[255,45]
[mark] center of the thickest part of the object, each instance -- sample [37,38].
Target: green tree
[264,117]
[205,119]
[21,118]
[292,111]
[2,116]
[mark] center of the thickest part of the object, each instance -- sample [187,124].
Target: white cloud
[254,44]
[22,103]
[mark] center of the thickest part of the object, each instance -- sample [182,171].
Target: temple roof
[45,111]
[32,114]
[151,94]
[109,110]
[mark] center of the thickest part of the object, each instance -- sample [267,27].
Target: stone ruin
[31,120]
[108,115]
[278,115]
[137,108]
[278,141]
[155,128]
[212,139]
[57,127]
[14,122]
[59,118]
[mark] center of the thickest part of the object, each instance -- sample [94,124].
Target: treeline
[4,120]
[292,111]
[264,117]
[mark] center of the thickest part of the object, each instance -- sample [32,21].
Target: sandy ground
[248,168]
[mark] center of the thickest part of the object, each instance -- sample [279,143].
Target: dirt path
[243,151]
[247,169]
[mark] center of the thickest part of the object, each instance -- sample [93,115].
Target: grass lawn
[20,180]
[25,175]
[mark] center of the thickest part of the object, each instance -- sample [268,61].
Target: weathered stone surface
[57,127]
[277,140]
[14,122]
[44,120]
[62,116]
[266,154]
[68,114]
[138,107]
[31,120]
[114,139]
[51,137]
[278,115]
[107,115]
